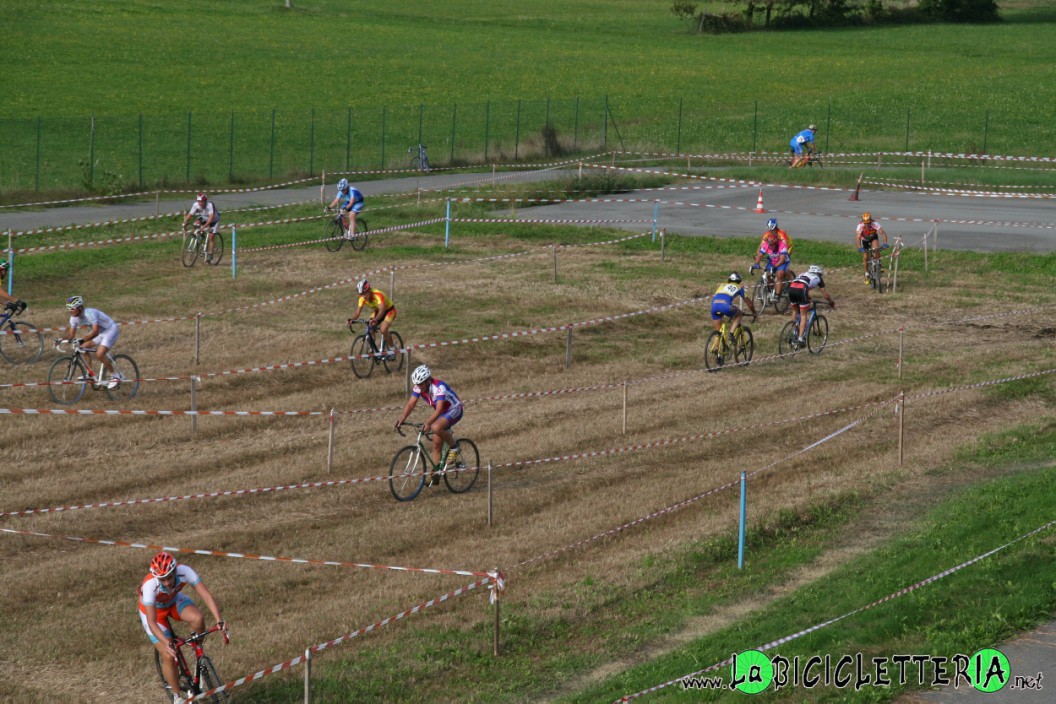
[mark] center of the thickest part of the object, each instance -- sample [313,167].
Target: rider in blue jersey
[350,200]
[802,146]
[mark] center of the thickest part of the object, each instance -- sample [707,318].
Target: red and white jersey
[153,593]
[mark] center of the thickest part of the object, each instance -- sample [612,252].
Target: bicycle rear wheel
[129,371]
[416,164]
[218,250]
[818,334]
[407,473]
[786,340]
[186,686]
[23,343]
[361,366]
[744,346]
[189,251]
[210,680]
[359,240]
[463,475]
[394,365]
[714,352]
[335,235]
[67,369]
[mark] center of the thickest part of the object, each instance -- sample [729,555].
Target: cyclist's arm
[828,298]
[70,333]
[94,332]
[5,298]
[880,231]
[355,316]
[411,402]
[207,597]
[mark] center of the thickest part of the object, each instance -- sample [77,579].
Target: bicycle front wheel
[335,236]
[359,240]
[818,334]
[744,347]
[362,366]
[416,164]
[759,297]
[210,680]
[786,340]
[407,473]
[218,250]
[714,352]
[71,370]
[463,475]
[128,370]
[189,251]
[23,343]
[395,365]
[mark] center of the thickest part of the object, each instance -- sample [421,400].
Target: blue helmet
[771,224]
[342,185]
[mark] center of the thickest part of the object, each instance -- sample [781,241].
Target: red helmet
[201,198]
[162,565]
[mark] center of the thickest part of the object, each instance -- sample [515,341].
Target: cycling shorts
[722,309]
[202,222]
[106,338]
[796,149]
[453,415]
[782,267]
[391,314]
[867,240]
[356,207]
[164,615]
[799,294]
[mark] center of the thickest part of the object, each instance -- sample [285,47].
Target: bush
[961,10]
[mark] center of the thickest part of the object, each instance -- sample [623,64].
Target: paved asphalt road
[969,223]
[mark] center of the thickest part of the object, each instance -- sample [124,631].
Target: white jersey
[93,316]
[810,281]
[206,213]
[153,593]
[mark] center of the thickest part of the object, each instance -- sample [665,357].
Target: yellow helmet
[866,217]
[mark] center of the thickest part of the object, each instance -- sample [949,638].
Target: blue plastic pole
[10,269]
[740,536]
[447,225]
[234,263]
[656,213]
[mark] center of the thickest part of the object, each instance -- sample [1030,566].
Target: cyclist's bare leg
[441,434]
[385,335]
[209,243]
[780,282]
[804,315]
[351,223]
[192,616]
[168,665]
[735,321]
[100,354]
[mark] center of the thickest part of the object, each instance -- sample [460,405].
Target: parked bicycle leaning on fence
[420,160]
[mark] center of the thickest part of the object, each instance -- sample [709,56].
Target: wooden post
[901,341]
[625,408]
[490,498]
[894,275]
[568,349]
[553,252]
[495,642]
[901,408]
[408,386]
[194,404]
[307,670]
[330,443]
[197,337]
[392,283]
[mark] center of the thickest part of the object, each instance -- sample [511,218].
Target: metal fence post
[36,182]
[553,251]
[663,243]
[454,120]
[231,153]
[330,443]
[517,134]
[271,158]
[901,346]
[447,225]
[234,252]
[188,177]
[91,151]
[490,497]
[141,150]
[678,145]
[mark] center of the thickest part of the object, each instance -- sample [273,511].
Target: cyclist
[384,312]
[350,201]
[724,300]
[161,599]
[799,297]
[773,230]
[867,235]
[803,146]
[11,303]
[447,410]
[775,251]
[101,337]
[208,219]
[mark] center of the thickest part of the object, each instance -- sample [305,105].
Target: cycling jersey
[801,140]
[168,603]
[867,232]
[375,300]
[722,303]
[205,213]
[778,259]
[799,288]
[351,199]
[93,316]
[782,236]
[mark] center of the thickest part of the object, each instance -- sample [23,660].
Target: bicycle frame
[183,671]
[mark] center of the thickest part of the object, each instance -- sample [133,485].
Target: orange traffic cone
[857,187]
[759,203]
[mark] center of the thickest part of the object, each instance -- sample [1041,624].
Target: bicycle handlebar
[199,637]
[417,426]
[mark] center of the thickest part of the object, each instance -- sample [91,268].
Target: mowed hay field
[68,609]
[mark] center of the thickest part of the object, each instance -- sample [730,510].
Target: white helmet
[815,269]
[420,374]
[74,302]
[362,287]
[342,185]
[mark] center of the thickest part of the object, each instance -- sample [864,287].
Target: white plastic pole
[234,250]
[330,443]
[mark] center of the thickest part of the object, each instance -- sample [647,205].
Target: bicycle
[203,677]
[763,293]
[408,471]
[817,333]
[421,161]
[721,344]
[811,159]
[335,233]
[874,270]
[366,354]
[69,376]
[21,342]
[196,244]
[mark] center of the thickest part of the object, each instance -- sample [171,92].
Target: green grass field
[356,84]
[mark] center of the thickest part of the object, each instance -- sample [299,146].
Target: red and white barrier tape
[783,155]
[372,233]
[497,583]
[550,221]
[894,595]
[945,191]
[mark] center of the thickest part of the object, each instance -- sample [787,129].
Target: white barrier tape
[550,221]
[372,233]
[981,384]
[784,155]
[337,641]
[944,191]
[127,412]
[878,602]
[687,502]
[244,556]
